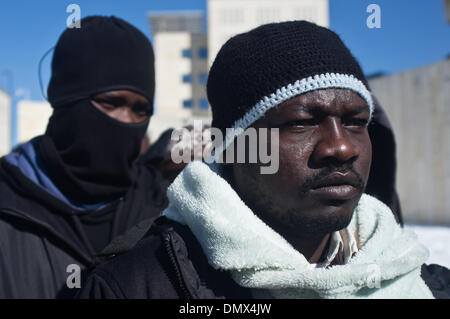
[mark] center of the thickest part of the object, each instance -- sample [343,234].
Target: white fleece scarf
[234,239]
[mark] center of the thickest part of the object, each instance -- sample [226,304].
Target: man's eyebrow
[318,108]
[358,109]
[302,107]
[141,105]
[112,97]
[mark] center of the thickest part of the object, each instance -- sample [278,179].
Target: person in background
[65,195]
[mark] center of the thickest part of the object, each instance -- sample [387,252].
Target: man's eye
[105,104]
[142,109]
[108,106]
[142,112]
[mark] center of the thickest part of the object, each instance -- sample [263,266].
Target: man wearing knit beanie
[306,231]
[66,194]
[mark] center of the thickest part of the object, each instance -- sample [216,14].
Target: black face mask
[89,155]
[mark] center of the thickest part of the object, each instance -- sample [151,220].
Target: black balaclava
[89,155]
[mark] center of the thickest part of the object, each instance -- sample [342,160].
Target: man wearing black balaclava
[65,195]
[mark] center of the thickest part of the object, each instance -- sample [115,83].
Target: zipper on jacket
[179,277]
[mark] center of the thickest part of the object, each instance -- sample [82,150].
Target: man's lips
[337,186]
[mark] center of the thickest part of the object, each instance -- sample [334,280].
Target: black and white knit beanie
[260,69]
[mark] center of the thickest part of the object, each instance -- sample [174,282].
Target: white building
[32,119]
[184,51]
[181,67]
[227,18]
[5,123]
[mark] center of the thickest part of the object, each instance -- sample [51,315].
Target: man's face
[123,105]
[324,153]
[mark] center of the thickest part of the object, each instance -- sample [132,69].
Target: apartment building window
[306,13]
[203,53]
[229,16]
[187,53]
[187,78]
[267,15]
[203,104]
[202,78]
[187,104]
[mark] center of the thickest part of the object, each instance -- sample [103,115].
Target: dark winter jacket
[169,263]
[41,235]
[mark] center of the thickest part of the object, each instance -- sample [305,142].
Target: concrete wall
[418,105]
[5,123]
[227,18]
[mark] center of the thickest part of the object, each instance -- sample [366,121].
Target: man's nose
[334,144]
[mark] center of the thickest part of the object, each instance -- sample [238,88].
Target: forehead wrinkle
[333,98]
[309,101]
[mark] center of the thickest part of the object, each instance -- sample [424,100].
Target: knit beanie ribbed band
[260,69]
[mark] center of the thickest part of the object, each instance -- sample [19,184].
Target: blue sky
[413,32]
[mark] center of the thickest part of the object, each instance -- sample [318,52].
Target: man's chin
[324,219]
[320,226]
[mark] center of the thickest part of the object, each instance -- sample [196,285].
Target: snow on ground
[437,240]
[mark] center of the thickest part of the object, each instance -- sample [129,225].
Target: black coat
[40,236]
[169,263]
